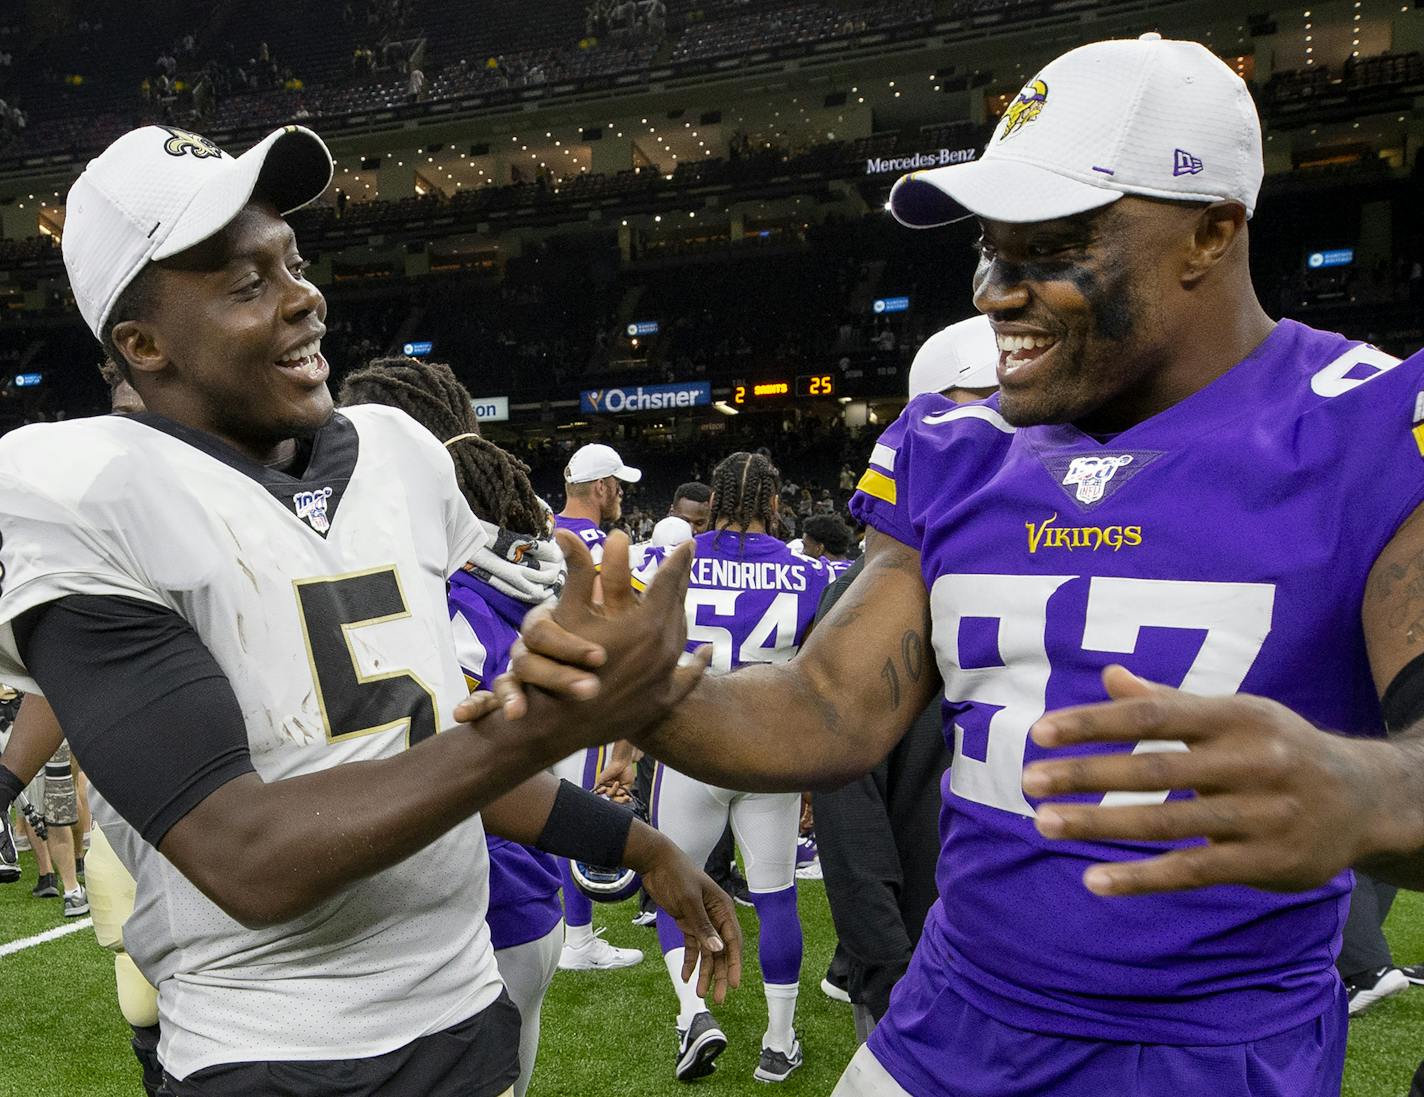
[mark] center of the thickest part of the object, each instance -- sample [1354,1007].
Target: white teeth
[1011,344]
[306,350]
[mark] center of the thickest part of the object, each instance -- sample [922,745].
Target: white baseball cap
[157,191]
[671,531]
[595,461]
[1147,116]
[962,356]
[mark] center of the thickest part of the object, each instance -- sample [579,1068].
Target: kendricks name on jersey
[749,574]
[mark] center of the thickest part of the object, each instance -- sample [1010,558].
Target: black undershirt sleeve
[147,710]
[1403,701]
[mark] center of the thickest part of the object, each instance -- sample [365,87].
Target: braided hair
[744,490]
[494,483]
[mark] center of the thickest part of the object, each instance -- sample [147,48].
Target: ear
[137,342]
[1219,228]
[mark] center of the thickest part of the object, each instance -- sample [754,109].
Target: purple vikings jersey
[750,597]
[1219,546]
[593,536]
[524,883]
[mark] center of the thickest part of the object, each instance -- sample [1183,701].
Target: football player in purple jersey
[752,599]
[1169,488]
[593,497]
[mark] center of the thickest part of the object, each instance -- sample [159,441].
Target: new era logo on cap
[1184,163]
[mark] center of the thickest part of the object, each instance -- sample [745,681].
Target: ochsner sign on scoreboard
[645,398]
[884,165]
[491,409]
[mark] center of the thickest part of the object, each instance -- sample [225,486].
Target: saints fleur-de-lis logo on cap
[184,142]
[1025,108]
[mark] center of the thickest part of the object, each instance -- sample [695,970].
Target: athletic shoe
[834,987]
[1374,986]
[596,954]
[645,918]
[809,870]
[1414,973]
[76,903]
[740,893]
[9,856]
[776,1066]
[47,887]
[697,1046]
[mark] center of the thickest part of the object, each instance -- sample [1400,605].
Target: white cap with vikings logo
[157,191]
[595,461]
[1146,116]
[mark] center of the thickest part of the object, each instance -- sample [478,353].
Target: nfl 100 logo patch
[311,505]
[1090,478]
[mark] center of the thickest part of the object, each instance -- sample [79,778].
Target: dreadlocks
[494,483]
[744,490]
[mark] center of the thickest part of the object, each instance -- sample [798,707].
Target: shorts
[476,1058]
[983,1057]
[61,805]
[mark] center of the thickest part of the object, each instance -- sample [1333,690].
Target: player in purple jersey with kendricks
[1170,487]
[593,497]
[752,599]
[520,567]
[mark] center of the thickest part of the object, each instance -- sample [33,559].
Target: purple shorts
[973,1055]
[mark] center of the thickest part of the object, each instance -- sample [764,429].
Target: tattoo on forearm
[892,679]
[912,648]
[1401,588]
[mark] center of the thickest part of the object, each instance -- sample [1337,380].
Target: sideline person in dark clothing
[879,839]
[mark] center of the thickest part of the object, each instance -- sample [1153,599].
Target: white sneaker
[811,870]
[596,954]
[1374,986]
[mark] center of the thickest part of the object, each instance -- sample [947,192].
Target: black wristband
[585,827]
[10,787]
[1403,701]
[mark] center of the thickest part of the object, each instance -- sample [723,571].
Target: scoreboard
[806,384]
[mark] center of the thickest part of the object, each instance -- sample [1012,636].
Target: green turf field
[604,1032]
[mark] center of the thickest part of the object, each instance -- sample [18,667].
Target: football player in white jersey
[226,599]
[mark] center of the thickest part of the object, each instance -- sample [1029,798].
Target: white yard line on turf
[48,935]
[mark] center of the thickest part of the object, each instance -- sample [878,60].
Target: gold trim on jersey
[877,485]
[362,678]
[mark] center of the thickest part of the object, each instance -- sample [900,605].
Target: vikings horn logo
[183,142]
[1025,108]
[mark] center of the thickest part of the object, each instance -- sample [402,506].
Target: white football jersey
[323,600]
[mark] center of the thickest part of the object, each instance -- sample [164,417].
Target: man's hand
[1281,805]
[633,646]
[619,772]
[703,911]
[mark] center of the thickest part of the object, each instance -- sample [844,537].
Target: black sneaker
[1414,973]
[1374,986]
[697,1048]
[9,855]
[776,1066]
[740,893]
[47,887]
[834,986]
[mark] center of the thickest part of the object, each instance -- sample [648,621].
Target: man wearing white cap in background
[960,362]
[593,497]
[1157,483]
[230,595]
[593,494]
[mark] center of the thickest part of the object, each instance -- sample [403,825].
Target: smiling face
[1085,309]
[231,340]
